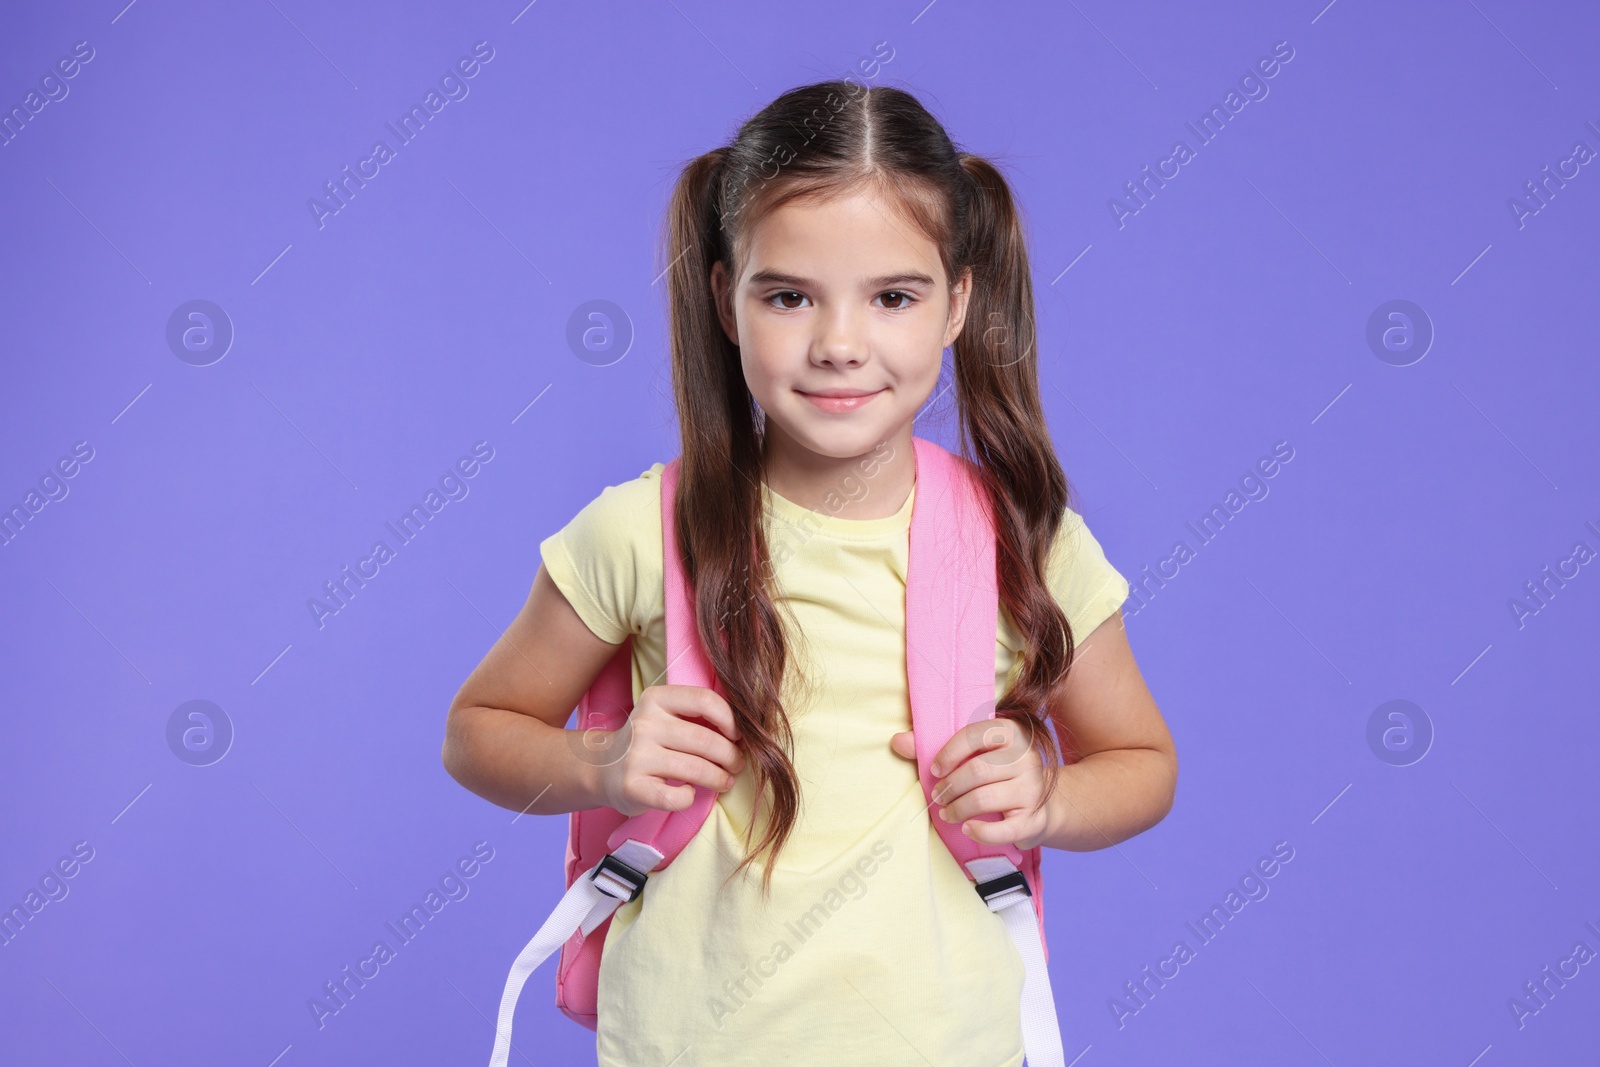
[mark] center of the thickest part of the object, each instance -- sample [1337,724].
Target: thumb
[904,744]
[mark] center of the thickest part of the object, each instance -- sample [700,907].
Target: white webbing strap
[588,901]
[1041,1033]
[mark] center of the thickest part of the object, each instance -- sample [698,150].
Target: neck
[873,485]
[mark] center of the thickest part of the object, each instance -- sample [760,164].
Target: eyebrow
[884,281]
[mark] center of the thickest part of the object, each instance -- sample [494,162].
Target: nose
[840,343]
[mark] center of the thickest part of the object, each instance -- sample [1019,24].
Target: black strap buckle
[635,878]
[995,886]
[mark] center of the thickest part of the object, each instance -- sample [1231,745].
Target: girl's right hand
[659,742]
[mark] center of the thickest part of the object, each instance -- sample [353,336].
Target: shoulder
[1083,580]
[1080,577]
[632,499]
[607,561]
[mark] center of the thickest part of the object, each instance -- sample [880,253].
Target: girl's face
[841,314]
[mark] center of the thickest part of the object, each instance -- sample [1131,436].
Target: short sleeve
[1085,584]
[607,561]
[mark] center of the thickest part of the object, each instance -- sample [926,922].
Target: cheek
[924,370]
[757,378]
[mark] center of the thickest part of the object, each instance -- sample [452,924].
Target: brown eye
[785,294]
[904,297]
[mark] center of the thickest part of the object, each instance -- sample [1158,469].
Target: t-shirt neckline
[852,529]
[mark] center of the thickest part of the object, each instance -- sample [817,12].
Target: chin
[843,442]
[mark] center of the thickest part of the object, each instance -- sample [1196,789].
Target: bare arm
[505,738]
[1127,778]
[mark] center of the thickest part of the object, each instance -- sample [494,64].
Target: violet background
[371,353]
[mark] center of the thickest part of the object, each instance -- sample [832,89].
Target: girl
[820,265]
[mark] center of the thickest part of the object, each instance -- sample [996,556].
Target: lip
[838,399]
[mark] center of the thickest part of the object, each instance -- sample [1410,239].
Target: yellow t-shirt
[873,948]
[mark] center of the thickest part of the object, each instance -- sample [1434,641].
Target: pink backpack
[952,603]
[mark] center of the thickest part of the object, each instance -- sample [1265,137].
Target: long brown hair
[815,141]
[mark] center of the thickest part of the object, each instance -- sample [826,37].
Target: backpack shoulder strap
[667,832]
[601,879]
[952,612]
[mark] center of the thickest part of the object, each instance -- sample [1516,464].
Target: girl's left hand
[988,767]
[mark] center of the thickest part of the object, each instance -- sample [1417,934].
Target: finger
[697,740]
[967,777]
[991,798]
[973,738]
[1007,744]
[689,701]
[904,744]
[691,770]
[1012,830]
[671,797]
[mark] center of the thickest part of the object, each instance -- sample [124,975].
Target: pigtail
[997,378]
[718,510]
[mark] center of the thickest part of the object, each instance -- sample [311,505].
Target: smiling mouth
[839,403]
